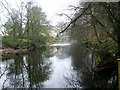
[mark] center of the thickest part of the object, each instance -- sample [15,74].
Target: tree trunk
[96,34]
[118,38]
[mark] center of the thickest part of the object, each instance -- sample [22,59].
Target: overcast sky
[54,7]
[50,7]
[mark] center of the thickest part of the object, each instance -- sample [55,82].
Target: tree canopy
[26,24]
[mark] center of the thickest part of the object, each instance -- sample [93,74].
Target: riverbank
[9,52]
[6,53]
[72,64]
[105,61]
[105,55]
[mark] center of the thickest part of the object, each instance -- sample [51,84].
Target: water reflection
[55,67]
[28,71]
[37,68]
[81,57]
[83,61]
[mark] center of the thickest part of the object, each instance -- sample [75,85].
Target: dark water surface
[55,66]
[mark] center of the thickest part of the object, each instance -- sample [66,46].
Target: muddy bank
[7,53]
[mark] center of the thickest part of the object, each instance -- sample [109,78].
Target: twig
[73,21]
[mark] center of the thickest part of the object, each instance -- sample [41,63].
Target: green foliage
[8,42]
[103,57]
[98,26]
[24,43]
[33,30]
[95,42]
[106,45]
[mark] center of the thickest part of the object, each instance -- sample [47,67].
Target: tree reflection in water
[28,71]
[85,76]
[70,66]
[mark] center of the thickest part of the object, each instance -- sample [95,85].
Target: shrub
[8,42]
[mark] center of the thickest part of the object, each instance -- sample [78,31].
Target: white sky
[50,7]
[54,7]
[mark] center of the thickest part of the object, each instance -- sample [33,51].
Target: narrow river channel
[55,66]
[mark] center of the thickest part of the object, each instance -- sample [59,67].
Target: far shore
[6,53]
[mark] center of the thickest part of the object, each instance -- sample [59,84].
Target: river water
[55,66]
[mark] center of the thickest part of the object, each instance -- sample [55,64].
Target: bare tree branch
[108,7]
[7,10]
[96,34]
[74,21]
[65,15]
[104,28]
[74,7]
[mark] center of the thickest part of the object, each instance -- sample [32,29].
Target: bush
[8,42]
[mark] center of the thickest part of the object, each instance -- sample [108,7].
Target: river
[55,66]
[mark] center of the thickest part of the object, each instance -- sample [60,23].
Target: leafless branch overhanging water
[74,20]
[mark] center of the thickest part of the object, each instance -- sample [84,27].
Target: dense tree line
[96,21]
[26,25]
